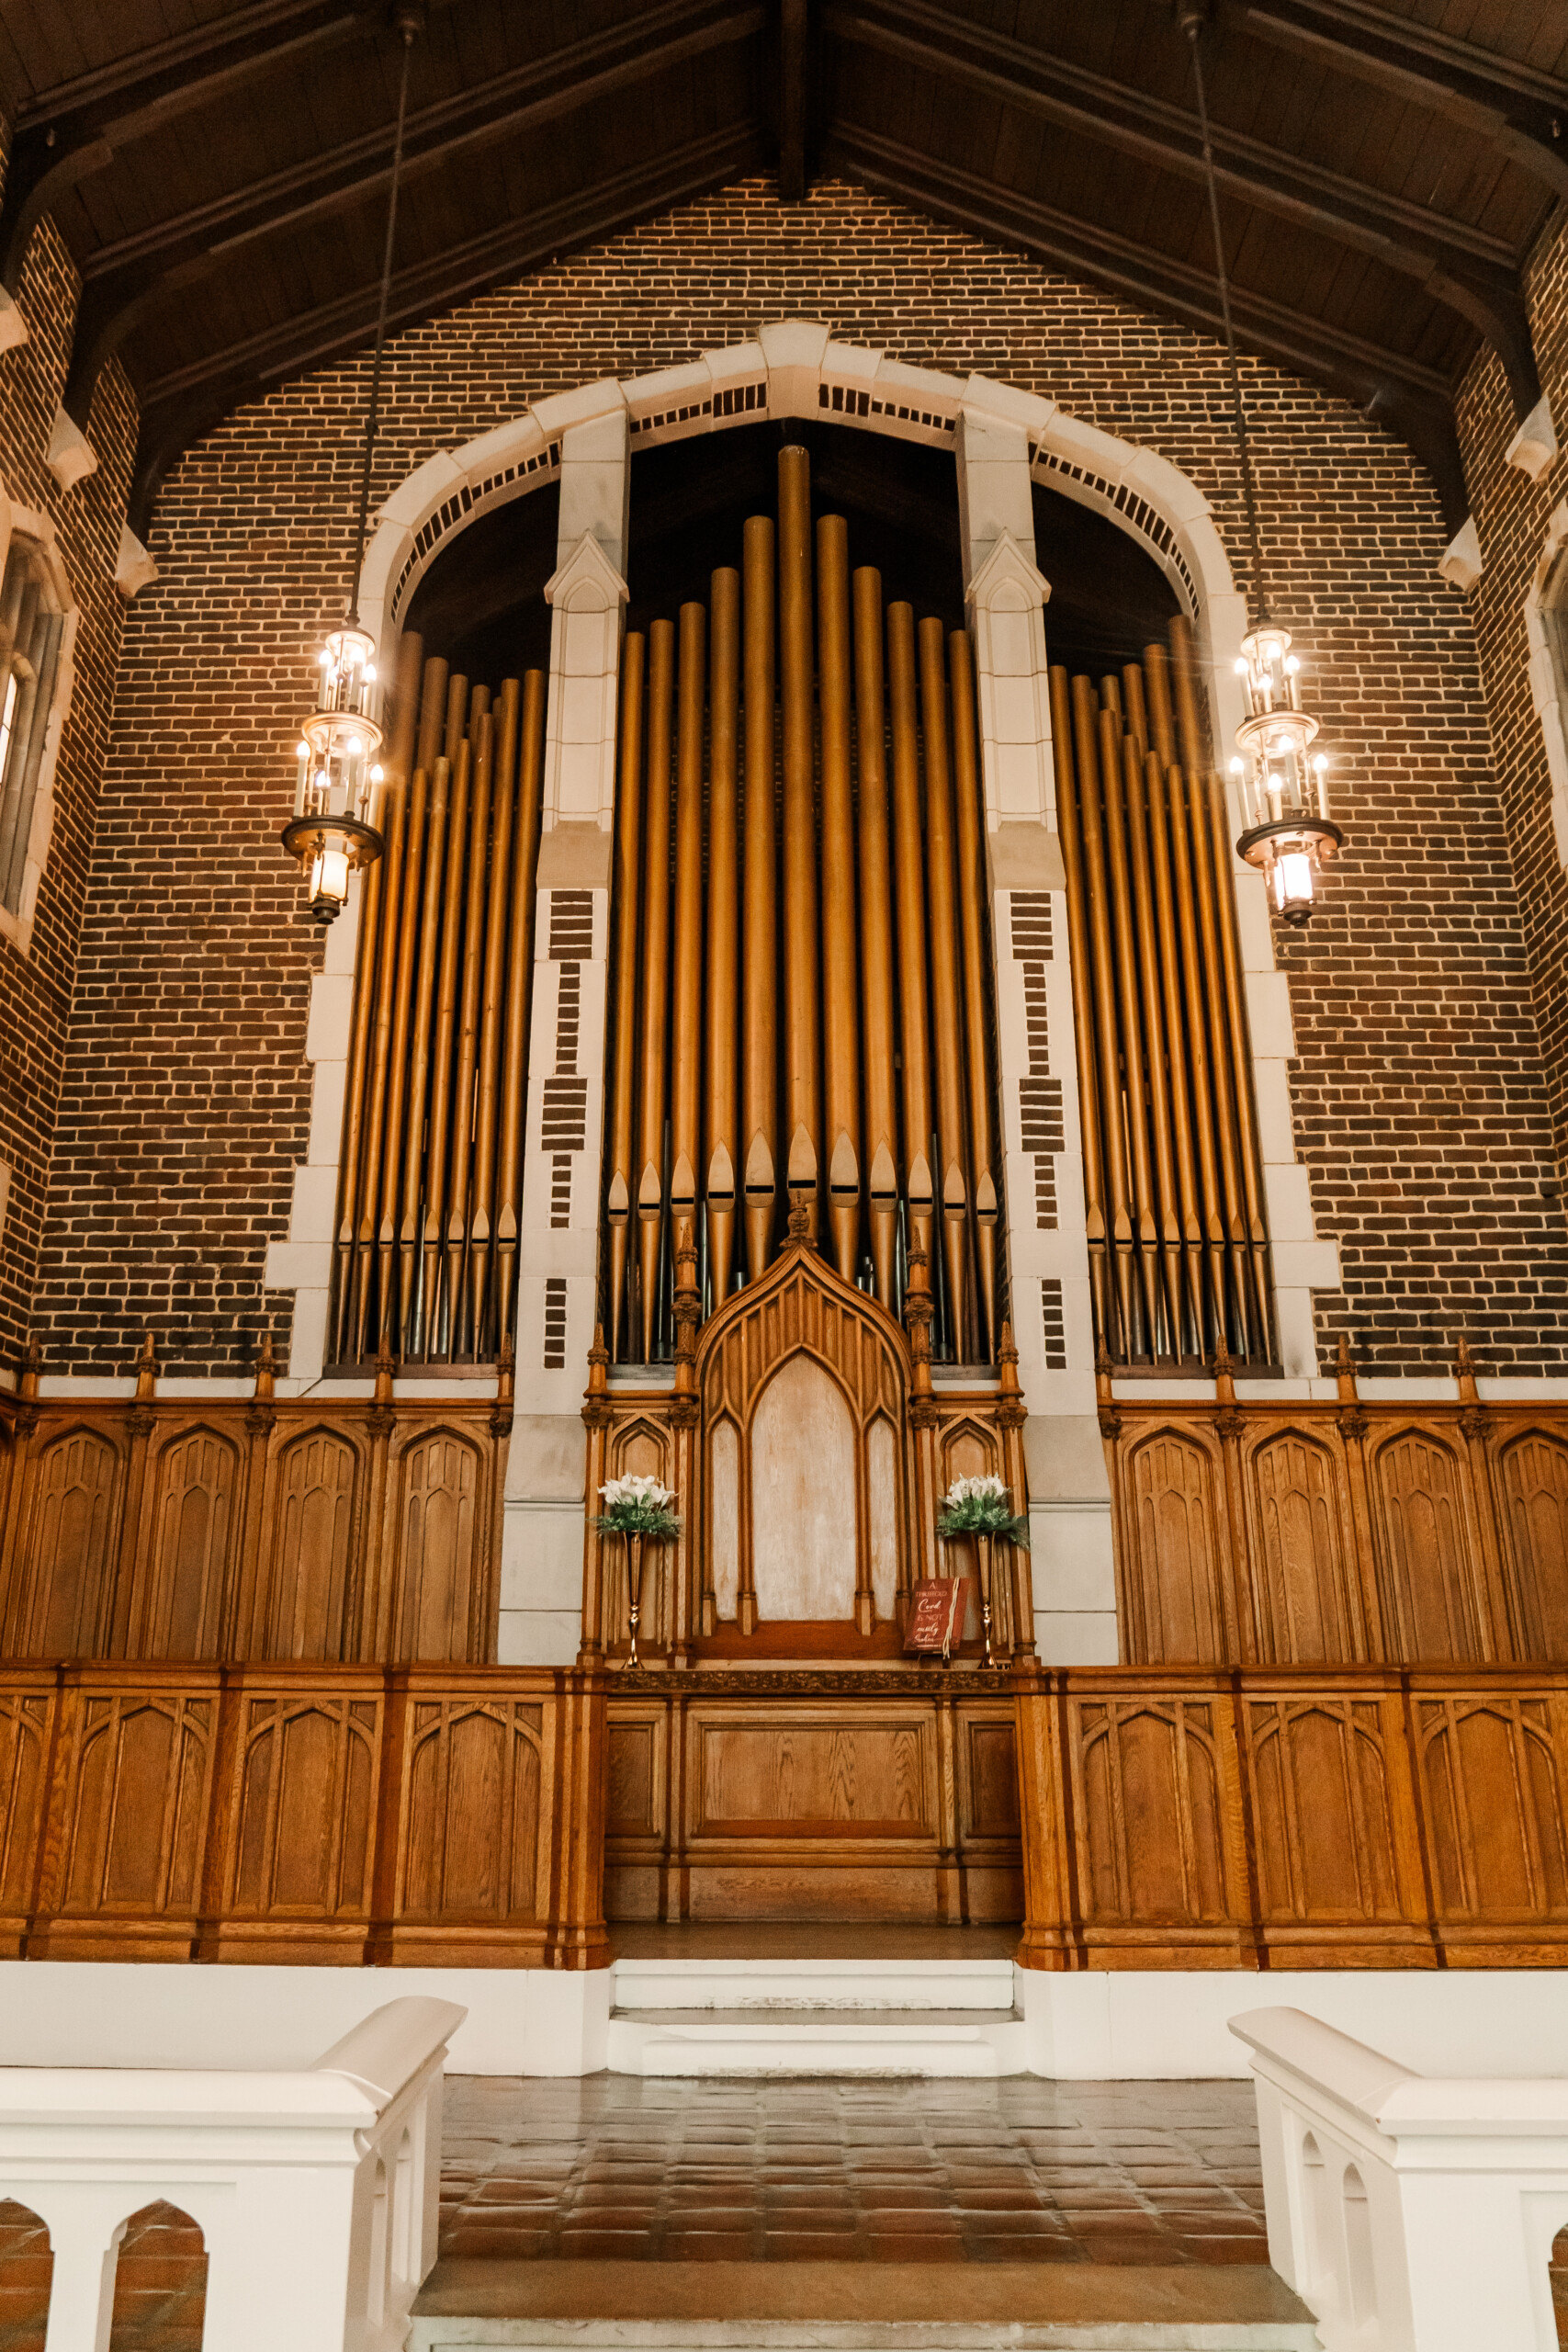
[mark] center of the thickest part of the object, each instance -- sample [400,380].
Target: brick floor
[619,2167]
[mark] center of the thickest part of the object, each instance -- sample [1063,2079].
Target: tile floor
[620,2168]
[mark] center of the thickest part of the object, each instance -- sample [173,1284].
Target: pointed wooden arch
[803,1308]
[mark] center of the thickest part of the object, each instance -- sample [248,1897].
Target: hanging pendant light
[334,829]
[1282,782]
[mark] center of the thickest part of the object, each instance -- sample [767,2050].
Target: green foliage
[985,1515]
[638,1519]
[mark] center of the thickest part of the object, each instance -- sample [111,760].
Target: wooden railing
[1294,1817]
[401,1816]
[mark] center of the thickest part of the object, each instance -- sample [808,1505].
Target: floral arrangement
[638,1507]
[982,1507]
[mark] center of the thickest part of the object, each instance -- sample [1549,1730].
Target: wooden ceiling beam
[179,407]
[794,99]
[1412,399]
[1514,106]
[77,128]
[126,280]
[1482,286]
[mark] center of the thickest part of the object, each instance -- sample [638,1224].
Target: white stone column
[541,1579]
[1075,1591]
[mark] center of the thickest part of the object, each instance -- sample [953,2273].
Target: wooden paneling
[1432,1609]
[1171,1583]
[264,1531]
[1492,1780]
[1534,1469]
[1304,1581]
[331,1815]
[800,1795]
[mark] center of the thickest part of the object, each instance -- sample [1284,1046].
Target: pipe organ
[1173,1175]
[430,1187]
[800,987]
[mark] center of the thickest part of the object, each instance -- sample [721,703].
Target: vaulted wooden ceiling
[221,172]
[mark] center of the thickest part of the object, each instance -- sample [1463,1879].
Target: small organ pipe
[1167,1207]
[759,1103]
[1108,1058]
[802,1096]
[1241,1057]
[686,1028]
[353,1300]
[628,888]
[417,855]
[655,974]
[1190,1310]
[721,1141]
[972,897]
[1201,1068]
[841,1042]
[506,717]
[519,984]
[881,1129]
[946,983]
[1069,818]
[1231,1180]
[458,1341]
[914,1033]
[1135,1107]
[415,1155]
[448,973]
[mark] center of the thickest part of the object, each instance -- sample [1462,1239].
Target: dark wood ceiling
[221,172]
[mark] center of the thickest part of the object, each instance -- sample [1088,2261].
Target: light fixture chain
[1238,410]
[373,410]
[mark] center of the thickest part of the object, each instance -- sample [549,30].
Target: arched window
[36,629]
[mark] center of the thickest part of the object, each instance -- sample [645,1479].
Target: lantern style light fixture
[1283,783]
[337,794]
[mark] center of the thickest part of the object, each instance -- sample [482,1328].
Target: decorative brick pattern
[555,1323]
[1051,1316]
[1421,1101]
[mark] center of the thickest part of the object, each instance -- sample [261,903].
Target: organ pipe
[628,880]
[431,1167]
[1173,1179]
[802,1050]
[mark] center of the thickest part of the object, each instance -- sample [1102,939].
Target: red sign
[936,1614]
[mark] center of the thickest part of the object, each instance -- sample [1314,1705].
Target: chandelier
[1281,782]
[334,830]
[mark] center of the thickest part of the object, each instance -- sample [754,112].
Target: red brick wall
[36,988]
[1422,1107]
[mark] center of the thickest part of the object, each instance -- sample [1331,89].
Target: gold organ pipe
[456,718]
[1136,1109]
[1241,1059]
[1187,1181]
[881,1131]
[1183,678]
[519,983]
[1167,1205]
[841,1008]
[801,1097]
[909,881]
[354,1335]
[946,1009]
[436,1192]
[1069,820]
[373,952]
[629,883]
[655,972]
[408,1313]
[1199,1062]
[1162,725]
[423,850]
[686,1037]
[506,717]
[972,895]
[1086,741]
[1232,1182]
[1136,708]
[462,1106]
[760,1077]
[432,715]
[722,1139]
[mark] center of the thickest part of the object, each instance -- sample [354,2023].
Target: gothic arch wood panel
[26,1719]
[440,1534]
[302,1810]
[125,1863]
[1535,1489]
[1305,1589]
[1492,1780]
[65,1588]
[1152,1832]
[1431,1611]
[1172,1603]
[315,1521]
[639,1448]
[474,1779]
[1327,1838]
[178,1614]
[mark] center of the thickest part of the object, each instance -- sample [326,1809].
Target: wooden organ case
[802,1019]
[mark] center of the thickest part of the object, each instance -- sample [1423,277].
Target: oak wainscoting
[402,1817]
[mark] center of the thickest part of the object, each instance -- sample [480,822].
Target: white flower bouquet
[982,1507]
[638,1507]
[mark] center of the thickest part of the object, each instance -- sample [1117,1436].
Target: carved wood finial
[1225,1379]
[597,1410]
[386,1365]
[31,1366]
[800,1221]
[1345,1372]
[147,1370]
[1464,1372]
[266,1366]
[1007,1361]
[1104,1395]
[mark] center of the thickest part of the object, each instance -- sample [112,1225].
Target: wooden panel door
[131,1803]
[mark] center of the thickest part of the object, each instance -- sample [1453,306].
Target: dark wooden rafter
[1467,270]
[1410,399]
[179,407]
[1523,111]
[795,51]
[125,280]
[77,127]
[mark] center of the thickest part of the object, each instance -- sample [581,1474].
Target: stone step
[818,2040]
[797,1985]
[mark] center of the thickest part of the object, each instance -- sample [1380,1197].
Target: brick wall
[36,988]
[1422,1106]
